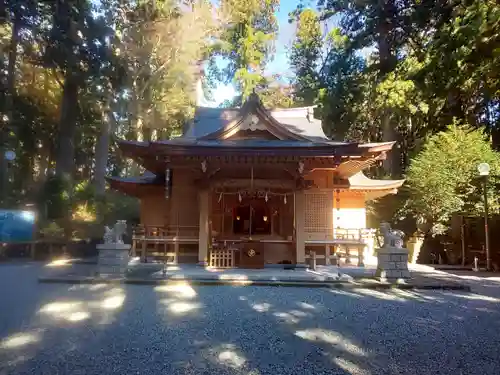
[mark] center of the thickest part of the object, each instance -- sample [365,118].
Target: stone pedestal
[392,263]
[113,259]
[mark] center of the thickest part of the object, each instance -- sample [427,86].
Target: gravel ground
[105,329]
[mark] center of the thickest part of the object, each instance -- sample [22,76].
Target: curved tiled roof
[208,120]
[299,121]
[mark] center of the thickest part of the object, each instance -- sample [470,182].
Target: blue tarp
[16,225]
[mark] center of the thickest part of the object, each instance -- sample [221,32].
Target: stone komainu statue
[392,237]
[115,235]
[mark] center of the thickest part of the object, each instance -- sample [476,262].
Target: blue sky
[279,65]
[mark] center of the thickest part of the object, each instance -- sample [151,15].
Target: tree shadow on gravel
[186,329]
[362,331]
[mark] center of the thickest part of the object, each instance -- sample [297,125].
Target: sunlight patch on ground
[231,359]
[59,263]
[288,318]
[474,297]
[349,366]
[20,339]
[332,338]
[179,290]
[406,294]
[261,307]
[412,295]
[299,314]
[235,277]
[307,306]
[487,310]
[76,310]
[113,302]
[345,293]
[227,355]
[177,296]
[177,306]
[465,277]
[211,269]
[95,287]
[73,311]
[77,316]
[379,295]
[183,307]
[60,307]
[91,287]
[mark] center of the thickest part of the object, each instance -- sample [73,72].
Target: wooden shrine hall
[246,187]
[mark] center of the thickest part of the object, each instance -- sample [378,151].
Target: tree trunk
[387,9]
[101,155]
[43,164]
[146,133]
[7,110]
[65,158]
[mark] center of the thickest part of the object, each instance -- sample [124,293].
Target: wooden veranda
[171,243]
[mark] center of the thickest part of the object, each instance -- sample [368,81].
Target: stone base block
[113,259]
[301,266]
[111,270]
[392,264]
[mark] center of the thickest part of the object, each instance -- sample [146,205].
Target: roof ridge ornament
[310,114]
[201,99]
[254,97]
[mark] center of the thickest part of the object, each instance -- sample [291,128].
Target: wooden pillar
[300,234]
[204,236]
[32,250]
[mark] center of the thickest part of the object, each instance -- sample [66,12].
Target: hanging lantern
[337,199]
[284,199]
[167,183]
[239,197]
[266,198]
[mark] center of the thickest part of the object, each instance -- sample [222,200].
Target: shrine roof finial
[253,97]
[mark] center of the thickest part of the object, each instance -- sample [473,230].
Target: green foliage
[52,231]
[275,94]
[304,57]
[344,91]
[121,207]
[162,46]
[443,178]
[54,200]
[462,60]
[247,42]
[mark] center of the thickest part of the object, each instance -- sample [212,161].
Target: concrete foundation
[392,264]
[113,259]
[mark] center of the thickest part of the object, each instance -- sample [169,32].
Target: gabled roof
[296,124]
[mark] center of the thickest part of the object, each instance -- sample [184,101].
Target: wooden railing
[344,244]
[147,238]
[354,234]
[169,233]
[221,258]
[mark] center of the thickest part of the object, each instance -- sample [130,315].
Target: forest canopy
[77,75]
